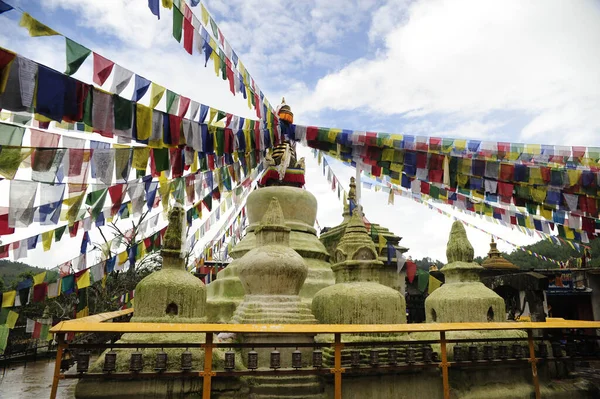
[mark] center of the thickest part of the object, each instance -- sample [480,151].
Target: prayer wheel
[186,361]
[557,349]
[317,359]
[427,354]
[374,357]
[83,362]
[229,360]
[517,351]
[355,358]
[542,350]
[392,356]
[161,362]
[275,359]
[502,352]
[252,360]
[297,359]
[571,349]
[459,353]
[136,362]
[488,352]
[473,353]
[110,362]
[410,355]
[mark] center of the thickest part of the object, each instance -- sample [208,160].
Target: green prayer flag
[58,233]
[123,110]
[67,283]
[422,280]
[11,158]
[220,132]
[220,115]
[177,23]
[223,65]
[214,28]
[171,97]
[4,315]
[87,108]
[76,55]
[44,332]
[161,159]
[4,330]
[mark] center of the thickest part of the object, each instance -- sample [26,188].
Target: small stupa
[272,275]
[169,295]
[389,274]
[358,297]
[495,261]
[463,298]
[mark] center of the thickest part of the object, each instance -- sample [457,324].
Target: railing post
[337,366]
[207,374]
[444,365]
[59,355]
[533,361]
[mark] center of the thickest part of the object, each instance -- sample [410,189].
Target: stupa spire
[459,249]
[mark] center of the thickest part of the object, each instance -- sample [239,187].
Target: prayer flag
[83,279]
[121,78]
[7,7]
[8,299]
[177,23]
[154,7]
[156,94]
[102,69]
[39,278]
[11,319]
[141,87]
[35,27]
[76,55]
[434,284]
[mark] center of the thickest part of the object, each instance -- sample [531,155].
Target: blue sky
[498,71]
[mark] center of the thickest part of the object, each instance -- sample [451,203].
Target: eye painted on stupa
[364,254]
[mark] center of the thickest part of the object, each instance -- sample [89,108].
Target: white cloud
[469,58]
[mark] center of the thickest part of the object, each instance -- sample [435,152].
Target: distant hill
[9,270]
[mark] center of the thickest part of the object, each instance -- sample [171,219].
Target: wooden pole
[444,365]
[59,354]
[337,369]
[207,374]
[533,361]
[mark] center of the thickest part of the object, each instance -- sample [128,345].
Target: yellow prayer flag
[387,155]
[382,243]
[434,284]
[35,27]
[460,145]
[39,278]
[194,166]
[84,280]
[539,194]
[535,176]
[168,4]
[212,113]
[156,94]
[140,158]
[546,213]
[47,240]
[465,166]
[333,134]
[391,197]
[144,121]
[11,319]
[248,94]
[8,299]
[122,257]
[4,74]
[204,14]
[574,175]
[446,167]
[569,234]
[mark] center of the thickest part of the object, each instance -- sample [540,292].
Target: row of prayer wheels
[461,353]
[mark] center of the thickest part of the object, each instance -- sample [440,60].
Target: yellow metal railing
[98,324]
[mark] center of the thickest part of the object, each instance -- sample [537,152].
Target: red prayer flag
[4,251]
[411,270]
[37,329]
[116,196]
[39,292]
[102,69]
[184,104]
[4,229]
[188,36]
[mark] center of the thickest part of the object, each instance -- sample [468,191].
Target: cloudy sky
[511,71]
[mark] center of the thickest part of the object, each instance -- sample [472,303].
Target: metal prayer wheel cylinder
[411,355]
[488,352]
[517,351]
[229,360]
[136,362]
[161,361]
[186,361]
[542,350]
[571,349]
[502,352]
[275,359]
[317,359]
[355,358]
[473,353]
[557,349]
[427,354]
[458,353]
[392,356]
[110,362]
[83,362]
[374,357]
[252,360]
[297,359]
